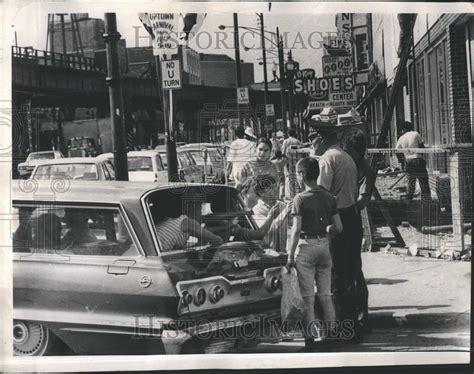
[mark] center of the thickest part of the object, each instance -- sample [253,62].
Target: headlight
[272,283]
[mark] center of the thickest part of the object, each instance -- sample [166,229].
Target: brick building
[81,30]
[219,71]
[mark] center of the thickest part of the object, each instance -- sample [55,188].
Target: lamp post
[290,68]
[264,60]
[282,78]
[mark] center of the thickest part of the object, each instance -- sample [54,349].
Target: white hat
[280,134]
[249,132]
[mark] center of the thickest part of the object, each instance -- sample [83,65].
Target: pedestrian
[315,215]
[356,145]
[281,162]
[415,164]
[271,215]
[338,175]
[260,165]
[276,143]
[240,151]
[290,176]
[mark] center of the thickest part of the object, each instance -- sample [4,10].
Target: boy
[315,215]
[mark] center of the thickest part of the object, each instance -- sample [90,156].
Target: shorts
[313,263]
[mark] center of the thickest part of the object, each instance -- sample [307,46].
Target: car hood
[31,163]
[141,176]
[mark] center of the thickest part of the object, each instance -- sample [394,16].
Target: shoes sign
[171,74]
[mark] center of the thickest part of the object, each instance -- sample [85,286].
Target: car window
[164,159]
[109,166]
[72,231]
[69,171]
[198,157]
[41,156]
[139,164]
[159,164]
[185,159]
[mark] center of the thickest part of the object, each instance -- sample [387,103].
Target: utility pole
[281,63]
[290,93]
[172,158]
[112,37]
[237,60]
[63,31]
[264,60]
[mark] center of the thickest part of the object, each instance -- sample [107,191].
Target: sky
[303,32]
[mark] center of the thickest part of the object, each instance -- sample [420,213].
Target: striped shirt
[170,235]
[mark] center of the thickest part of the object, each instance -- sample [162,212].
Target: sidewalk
[415,304]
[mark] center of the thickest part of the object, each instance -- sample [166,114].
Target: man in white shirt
[241,150]
[415,165]
[290,170]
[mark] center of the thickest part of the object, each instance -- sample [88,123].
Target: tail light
[199,296]
[272,283]
[216,293]
[181,174]
[156,177]
[186,299]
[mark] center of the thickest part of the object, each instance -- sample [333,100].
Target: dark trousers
[347,264]
[416,169]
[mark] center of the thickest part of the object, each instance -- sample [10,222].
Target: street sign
[269,110]
[171,74]
[243,95]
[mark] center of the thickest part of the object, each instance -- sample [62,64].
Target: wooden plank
[456,200]
[388,218]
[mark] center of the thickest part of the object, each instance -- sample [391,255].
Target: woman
[261,165]
[260,193]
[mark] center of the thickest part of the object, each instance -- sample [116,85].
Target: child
[315,215]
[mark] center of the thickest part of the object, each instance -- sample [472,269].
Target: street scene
[241,182]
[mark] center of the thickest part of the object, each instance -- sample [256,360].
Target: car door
[95,277]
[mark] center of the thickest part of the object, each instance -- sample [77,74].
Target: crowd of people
[320,197]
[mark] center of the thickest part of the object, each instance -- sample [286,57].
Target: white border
[8,9]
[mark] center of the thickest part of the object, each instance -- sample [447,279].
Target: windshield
[41,156]
[140,164]
[198,157]
[70,171]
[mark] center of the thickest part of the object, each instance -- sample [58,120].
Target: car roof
[41,152]
[70,160]
[144,153]
[193,146]
[90,191]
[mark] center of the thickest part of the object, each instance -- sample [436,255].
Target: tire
[33,339]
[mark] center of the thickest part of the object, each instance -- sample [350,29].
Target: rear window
[41,156]
[140,164]
[70,171]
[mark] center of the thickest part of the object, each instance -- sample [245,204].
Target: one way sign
[170,74]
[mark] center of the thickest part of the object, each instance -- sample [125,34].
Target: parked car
[188,170]
[89,168]
[90,275]
[143,166]
[25,168]
[209,157]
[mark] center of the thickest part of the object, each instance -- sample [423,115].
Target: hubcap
[29,339]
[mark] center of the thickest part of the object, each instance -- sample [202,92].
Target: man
[355,145]
[415,165]
[240,151]
[290,171]
[338,175]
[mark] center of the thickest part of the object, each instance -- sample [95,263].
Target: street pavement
[415,304]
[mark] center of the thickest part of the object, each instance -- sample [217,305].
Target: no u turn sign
[170,74]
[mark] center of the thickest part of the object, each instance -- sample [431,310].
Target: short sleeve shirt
[410,139]
[240,152]
[316,208]
[338,175]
